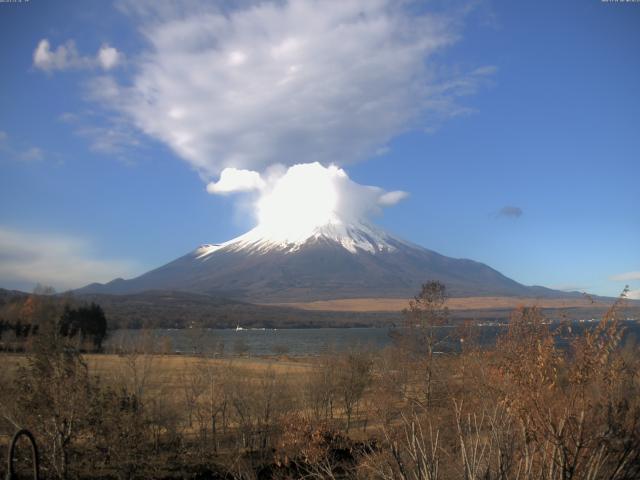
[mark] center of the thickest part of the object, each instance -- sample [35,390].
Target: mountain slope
[333,261]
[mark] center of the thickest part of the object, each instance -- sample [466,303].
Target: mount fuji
[335,260]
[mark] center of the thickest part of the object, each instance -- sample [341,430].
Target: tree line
[21,321]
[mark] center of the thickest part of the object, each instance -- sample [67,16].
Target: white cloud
[634,294]
[306,193]
[234,180]
[61,261]
[286,82]
[625,277]
[391,198]
[66,57]
[62,58]
[108,57]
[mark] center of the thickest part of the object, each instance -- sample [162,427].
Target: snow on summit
[353,237]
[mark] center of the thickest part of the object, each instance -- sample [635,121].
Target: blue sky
[532,106]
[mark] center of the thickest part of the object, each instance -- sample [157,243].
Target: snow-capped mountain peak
[353,237]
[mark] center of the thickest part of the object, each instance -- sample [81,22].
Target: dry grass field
[168,371]
[456,304]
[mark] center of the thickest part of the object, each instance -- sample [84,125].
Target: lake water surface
[293,341]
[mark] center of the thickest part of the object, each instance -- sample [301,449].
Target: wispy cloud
[625,277]
[391,198]
[20,154]
[108,136]
[66,57]
[290,195]
[510,211]
[62,261]
[571,287]
[31,154]
[633,276]
[287,82]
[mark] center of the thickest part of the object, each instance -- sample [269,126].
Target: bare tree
[120,432]
[193,386]
[353,377]
[139,360]
[427,311]
[211,399]
[321,388]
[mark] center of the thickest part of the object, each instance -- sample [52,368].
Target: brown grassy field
[456,304]
[171,368]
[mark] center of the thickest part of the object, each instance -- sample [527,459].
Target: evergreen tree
[89,322]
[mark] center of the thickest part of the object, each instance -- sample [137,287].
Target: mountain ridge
[332,261]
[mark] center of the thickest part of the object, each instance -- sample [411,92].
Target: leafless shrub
[577,410]
[410,451]
[258,408]
[120,432]
[321,388]
[353,377]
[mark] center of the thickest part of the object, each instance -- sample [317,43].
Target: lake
[293,341]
